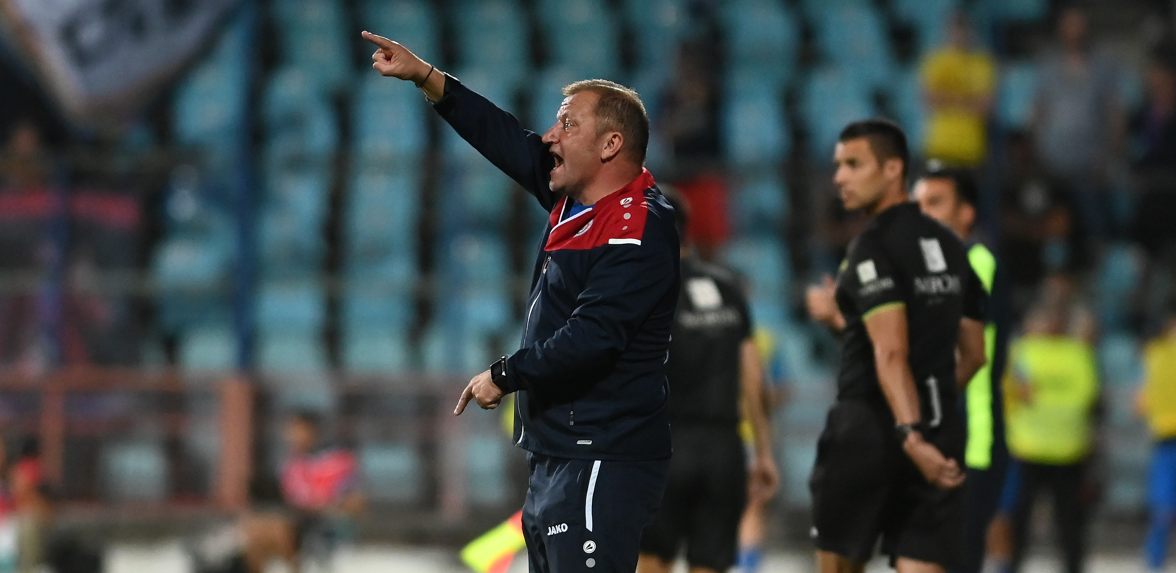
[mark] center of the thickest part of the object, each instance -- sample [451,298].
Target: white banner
[102,59]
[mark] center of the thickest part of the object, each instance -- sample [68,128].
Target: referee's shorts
[705,498]
[864,486]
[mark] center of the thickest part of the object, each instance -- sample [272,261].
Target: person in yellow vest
[1050,398]
[1157,404]
[958,82]
[950,196]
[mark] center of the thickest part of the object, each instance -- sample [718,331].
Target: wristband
[431,68]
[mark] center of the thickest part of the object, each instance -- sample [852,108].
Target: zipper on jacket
[527,320]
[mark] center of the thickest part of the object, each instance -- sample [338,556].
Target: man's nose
[552,135]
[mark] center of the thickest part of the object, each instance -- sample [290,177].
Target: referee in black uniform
[949,195]
[888,462]
[715,374]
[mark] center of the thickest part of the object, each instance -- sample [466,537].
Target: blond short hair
[618,109]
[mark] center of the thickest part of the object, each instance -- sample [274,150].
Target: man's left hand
[764,478]
[481,389]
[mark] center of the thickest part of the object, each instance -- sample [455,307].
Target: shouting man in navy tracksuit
[590,376]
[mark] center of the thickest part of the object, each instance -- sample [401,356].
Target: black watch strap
[498,372]
[901,431]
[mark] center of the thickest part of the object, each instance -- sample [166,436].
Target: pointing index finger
[378,40]
[466,395]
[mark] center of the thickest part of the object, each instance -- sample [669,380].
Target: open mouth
[558,160]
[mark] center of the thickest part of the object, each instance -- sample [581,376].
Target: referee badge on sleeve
[933,255]
[866,272]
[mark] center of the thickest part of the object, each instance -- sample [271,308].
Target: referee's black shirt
[907,258]
[710,326]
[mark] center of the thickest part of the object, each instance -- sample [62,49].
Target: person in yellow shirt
[1050,398]
[1157,404]
[958,83]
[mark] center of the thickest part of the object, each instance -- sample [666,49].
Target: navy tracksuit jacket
[590,374]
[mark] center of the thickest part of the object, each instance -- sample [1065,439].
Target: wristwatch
[901,431]
[498,372]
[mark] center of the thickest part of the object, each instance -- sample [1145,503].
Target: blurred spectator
[689,118]
[1078,119]
[688,123]
[709,226]
[1153,154]
[30,506]
[1157,404]
[958,83]
[1040,234]
[319,494]
[1050,397]
[24,166]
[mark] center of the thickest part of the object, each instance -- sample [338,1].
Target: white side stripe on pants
[588,498]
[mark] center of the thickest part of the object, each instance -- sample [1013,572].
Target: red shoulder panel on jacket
[617,219]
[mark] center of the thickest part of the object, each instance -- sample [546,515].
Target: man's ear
[613,143]
[967,214]
[892,168]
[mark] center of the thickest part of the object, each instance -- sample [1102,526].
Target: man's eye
[567,125]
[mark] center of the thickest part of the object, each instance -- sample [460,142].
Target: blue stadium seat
[213,347]
[659,26]
[413,23]
[1021,10]
[389,121]
[582,35]
[906,99]
[477,196]
[192,273]
[797,460]
[768,312]
[396,273]
[486,455]
[189,263]
[447,350]
[313,36]
[814,8]
[548,95]
[763,34]
[292,351]
[1116,283]
[291,306]
[382,215]
[755,130]
[1120,360]
[302,192]
[375,349]
[760,203]
[391,472]
[294,372]
[211,102]
[1018,84]
[830,99]
[493,33]
[299,119]
[476,271]
[929,19]
[134,471]
[854,37]
[368,305]
[286,246]
[765,263]
[475,259]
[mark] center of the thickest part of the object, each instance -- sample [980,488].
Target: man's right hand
[396,61]
[821,301]
[939,471]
